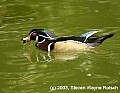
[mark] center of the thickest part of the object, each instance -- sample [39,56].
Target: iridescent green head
[38,35]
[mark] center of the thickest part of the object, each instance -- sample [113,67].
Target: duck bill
[26,39]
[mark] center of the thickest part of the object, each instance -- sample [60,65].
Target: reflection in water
[41,56]
[48,57]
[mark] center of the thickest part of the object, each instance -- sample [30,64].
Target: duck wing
[88,34]
[98,40]
[82,38]
[87,38]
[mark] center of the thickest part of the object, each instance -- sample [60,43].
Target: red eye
[34,34]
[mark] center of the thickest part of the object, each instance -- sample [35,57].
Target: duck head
[43,38]
[39,35]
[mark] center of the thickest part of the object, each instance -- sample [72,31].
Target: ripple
[101,76]
[114,81]
[105,79]
[15,15]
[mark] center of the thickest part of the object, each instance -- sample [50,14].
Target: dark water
[25,69]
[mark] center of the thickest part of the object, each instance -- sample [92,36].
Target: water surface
[25,69]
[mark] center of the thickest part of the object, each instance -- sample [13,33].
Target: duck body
[69,46]
[50,42]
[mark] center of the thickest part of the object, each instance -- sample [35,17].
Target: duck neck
[47,45]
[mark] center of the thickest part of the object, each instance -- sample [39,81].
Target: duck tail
[100,40]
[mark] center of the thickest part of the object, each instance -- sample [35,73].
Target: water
[25,69]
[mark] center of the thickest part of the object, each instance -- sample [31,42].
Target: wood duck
[50,42]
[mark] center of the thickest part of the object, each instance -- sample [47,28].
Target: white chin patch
[24,38]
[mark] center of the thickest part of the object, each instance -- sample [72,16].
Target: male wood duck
[50,42]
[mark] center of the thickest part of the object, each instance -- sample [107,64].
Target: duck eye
[33,34]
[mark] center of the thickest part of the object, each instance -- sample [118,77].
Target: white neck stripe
[36,38]
[42,41]
[49,46]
